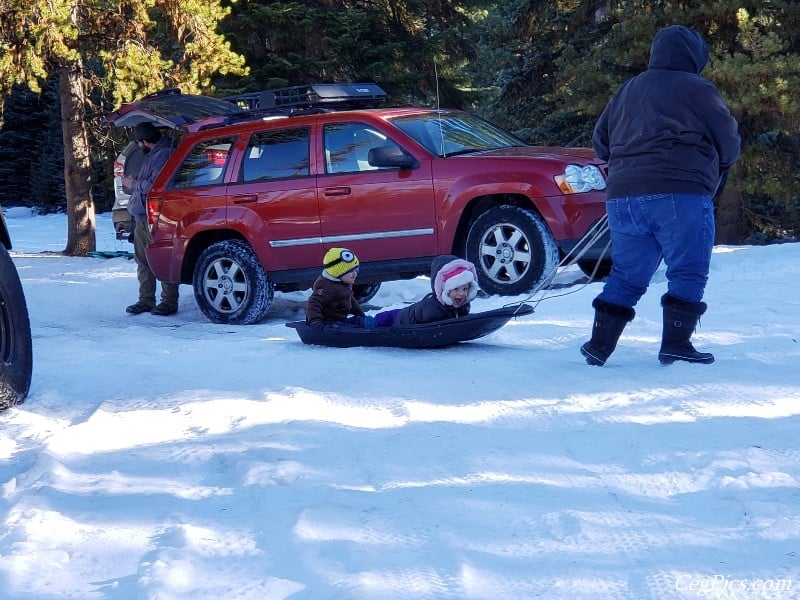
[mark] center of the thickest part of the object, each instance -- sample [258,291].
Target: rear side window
[278,154]
[204,165]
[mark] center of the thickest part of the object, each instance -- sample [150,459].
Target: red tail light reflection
[153,209]
[217,157]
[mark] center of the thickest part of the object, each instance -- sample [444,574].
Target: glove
[318,325]
[363,322]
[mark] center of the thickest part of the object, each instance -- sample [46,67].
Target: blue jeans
[644,229]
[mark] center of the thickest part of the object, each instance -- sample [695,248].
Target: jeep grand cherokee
[260,185]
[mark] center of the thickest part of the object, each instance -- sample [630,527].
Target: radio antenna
[438,108]
[436,76]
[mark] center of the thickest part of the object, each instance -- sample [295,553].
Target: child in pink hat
[454,282]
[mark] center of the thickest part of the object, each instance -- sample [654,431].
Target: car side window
[277,155]
[204,165]
[347,147]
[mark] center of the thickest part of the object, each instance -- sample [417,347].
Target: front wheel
[16,354]
[230,285]
[512,250]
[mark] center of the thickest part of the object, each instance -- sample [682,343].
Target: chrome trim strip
[335,239]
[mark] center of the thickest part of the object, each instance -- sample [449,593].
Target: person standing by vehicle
[157,150]
[669,140]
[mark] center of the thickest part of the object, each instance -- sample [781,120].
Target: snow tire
[16,348]
[512,250]
[365,292]
[230,285]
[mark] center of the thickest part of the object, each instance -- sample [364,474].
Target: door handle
[342,190]
[245,198]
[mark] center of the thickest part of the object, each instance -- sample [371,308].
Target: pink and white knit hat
[455,274]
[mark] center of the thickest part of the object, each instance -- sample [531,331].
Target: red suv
[260,185]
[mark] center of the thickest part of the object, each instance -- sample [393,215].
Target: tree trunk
[77,162]
[728,211]
[728,217]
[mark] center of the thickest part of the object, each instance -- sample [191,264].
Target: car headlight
[577,179]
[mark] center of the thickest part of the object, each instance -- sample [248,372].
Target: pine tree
[18,145]
[563,61]
[46,176]
[403,45]
[104,54]
[522,43]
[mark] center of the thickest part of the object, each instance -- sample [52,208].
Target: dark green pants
[147,281]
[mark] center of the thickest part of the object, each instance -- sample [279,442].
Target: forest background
[542,69]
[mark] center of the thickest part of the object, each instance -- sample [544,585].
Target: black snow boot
[680,320]
[609,321]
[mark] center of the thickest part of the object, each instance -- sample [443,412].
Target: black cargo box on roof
[311,95]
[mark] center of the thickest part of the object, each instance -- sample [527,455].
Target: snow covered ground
[169,458]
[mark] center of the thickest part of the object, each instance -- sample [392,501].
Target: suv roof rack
[312,95]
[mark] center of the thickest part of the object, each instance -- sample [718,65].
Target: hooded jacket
[433,307]
[331,300]
[668,130]
[152,165]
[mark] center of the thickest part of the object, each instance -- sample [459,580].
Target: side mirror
[391,156]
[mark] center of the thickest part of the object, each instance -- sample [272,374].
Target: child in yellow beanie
[332,300]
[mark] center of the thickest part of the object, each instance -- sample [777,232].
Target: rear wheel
[512,249]
[588,267]
[230,285]
[366,292]
[16,355]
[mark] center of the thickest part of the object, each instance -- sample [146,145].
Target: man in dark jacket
[157,150]
[669,140]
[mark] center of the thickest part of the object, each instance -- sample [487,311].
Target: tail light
[119,168]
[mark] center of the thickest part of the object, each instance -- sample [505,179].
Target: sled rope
[593,235]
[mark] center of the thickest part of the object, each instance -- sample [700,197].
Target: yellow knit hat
[339,261]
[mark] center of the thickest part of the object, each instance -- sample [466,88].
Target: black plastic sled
[426,335]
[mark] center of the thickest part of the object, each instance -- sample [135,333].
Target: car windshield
[445,133]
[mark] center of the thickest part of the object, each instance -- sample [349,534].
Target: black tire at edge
[16,347]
